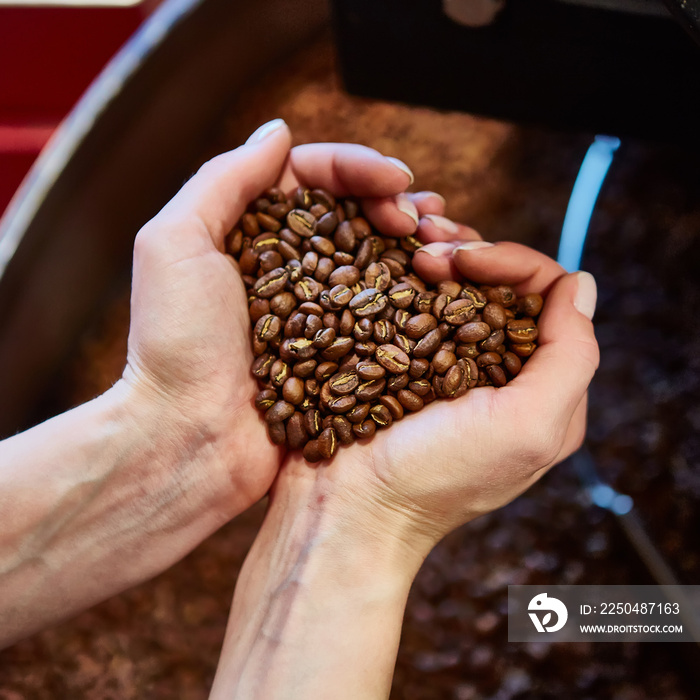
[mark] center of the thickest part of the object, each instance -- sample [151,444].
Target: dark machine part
[609,66]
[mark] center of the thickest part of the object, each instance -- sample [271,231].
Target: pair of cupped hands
[189,355]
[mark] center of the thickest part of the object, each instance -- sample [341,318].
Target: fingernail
[406,206]
[401,166]
[586,294]
[262,132]
[473,245]
[443,223]
[436,250]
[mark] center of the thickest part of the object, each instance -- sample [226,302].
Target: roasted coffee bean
[250,225]
[234,242]
[312,452]
[530,305]
[393,405]
[366,349]
[428,343]
[339,347]
[449,287]
[269,260]
[344,238]
[347,323]
[496,375]
[403,343]
[341,404]
[327,223]
[293,390]
[279,411]
[282,304]
[472,332]
[512,363]
[443,360]
[346,274]
[312,422]
[421,324]
[409,400]
[401,295]
[277,433]
[258,308]
[304,368]
[488,358]
[323,246]
[521,330]
[279,372]
[392,359]
[312,387]
[307,289]
[344,382]
[523,349]
[418,367]
[293,267]
[327,443]
[288,252]
[296,432]
[309,263]
[343,430]
[271,283]
[503,295]
[370,390]
[302,223]
[312,326]
[384,331]
[363,330]
[365,429]
[290,237]
[259,346]
[423,303]
[359,413]
[297,349]
[397,381]
[367,303]
[324,268]
[459,312]
[261,366]
[325,371]
[439,304]
[340,295]
[368,371]
[265,399]
[494,315]
[381,415]
[323,338]
[378,276]
[401,319]
[493,342]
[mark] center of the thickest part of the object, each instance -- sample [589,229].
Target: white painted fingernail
[401,166]
[262,132]
[406,206]
[436,250]
[473,245]
[443,223]
[586,294]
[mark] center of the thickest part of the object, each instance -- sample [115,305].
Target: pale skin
[135,479]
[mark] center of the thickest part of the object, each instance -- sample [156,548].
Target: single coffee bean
[279,372]
[250,225]
[297,349]
[363,329]
[337,349]
[312,325]
[368,370]
[325,371]
[449,287]
[496,375]
[341,404]
[401,319]
[403,343]
[488,358]
[282,304]
[443,360]
[271,283]
[439,304]
[258,308]
[344,238]
[259,346]
[428,343]
[401,295]
[343,430]
[347,323]
[366,349]
[459,312]
[454,378]
[523,349]
[423,303]
[492,343]
[312,452]
[494,315]
[358,413]
[302,223]
[279,411]
[421,324]
[277,433]
[324,269]
[307,289]
[296,432]
[323,246]
[324,338]
[392,359]
[393,406]
[368,302]
[530,305]
[330,320]
[502,294]
[381,415]
[327,443]
[472,332]
[409,400]
[312,387]
[366,429]
[370,390]
[418,367]
[344,382]
[293,267]
[234,242]
[384,331]
[327,223]
[261,366]
[269,260]
[521,330]
[512,363]
[309,263]
[397,381]
[340,295]
[346,274]
[293,390]
[312,422]
[265,399]
[378,275]
[290,237]
[396,269]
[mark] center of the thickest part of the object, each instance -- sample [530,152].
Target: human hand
[189,347]
[458,459]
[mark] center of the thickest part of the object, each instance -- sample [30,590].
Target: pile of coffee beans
[346,338]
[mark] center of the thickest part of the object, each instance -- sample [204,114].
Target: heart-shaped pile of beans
[346,337]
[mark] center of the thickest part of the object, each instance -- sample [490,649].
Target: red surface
[48,57]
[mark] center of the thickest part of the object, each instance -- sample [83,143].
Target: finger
[433,228]
[393,216]
[576,432]
[346,169]
[523,268]
[556,377]
[209,204]
[434,262]
[428,202]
